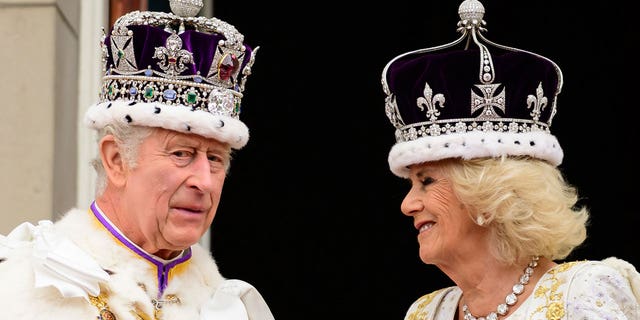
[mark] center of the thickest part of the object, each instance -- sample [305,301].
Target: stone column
[38,110]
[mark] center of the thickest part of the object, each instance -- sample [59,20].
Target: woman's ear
[112,161]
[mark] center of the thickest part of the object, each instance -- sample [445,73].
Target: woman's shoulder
[611,271]
[590,288]
[430,305]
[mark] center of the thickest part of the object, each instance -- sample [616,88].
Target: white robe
[608,289]
[55,271]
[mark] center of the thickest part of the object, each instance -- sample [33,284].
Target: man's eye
[214,158]
[181,154]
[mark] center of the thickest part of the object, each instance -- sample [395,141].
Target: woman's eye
[427,181]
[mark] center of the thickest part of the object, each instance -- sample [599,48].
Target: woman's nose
[411,204]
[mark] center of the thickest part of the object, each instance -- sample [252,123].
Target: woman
[495,226]
[491,208]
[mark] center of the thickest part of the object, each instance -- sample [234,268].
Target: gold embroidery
[555,311]
[421,313]
[554,305]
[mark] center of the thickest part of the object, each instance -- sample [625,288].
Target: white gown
[608,289]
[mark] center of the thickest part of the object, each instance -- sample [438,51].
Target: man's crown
[176,71]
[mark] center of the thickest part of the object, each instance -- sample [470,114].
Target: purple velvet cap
[202,45]
[486,100]
[182,73]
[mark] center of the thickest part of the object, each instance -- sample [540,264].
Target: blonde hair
[526,202]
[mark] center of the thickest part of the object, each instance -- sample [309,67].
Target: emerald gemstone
[191,97]
[148,92]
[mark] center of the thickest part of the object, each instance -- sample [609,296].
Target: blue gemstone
[197,79]
[133,91]
[169,94]
[148,72]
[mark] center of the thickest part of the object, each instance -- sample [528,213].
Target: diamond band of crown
[415,131]
[151,89]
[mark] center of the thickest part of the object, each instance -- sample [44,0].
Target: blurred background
[310,213]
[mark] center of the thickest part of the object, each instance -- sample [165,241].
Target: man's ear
[114,165]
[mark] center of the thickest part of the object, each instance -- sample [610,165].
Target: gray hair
[129,138]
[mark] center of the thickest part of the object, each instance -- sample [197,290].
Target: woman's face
[446,231]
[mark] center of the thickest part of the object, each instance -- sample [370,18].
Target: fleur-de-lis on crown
[431,102]
[537,102]
[172,57]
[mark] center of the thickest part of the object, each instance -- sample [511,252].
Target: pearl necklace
[511,298]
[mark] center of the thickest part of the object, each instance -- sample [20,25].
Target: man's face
[171,196]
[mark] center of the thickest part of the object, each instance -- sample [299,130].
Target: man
[167,122]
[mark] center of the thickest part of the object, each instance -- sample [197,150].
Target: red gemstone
[172,60]
[227,66]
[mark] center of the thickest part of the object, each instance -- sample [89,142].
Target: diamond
[502,309]
[518,288]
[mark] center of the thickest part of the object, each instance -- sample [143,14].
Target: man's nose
[201,176]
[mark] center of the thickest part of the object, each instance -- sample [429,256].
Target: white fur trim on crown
[173,117]
[474,144]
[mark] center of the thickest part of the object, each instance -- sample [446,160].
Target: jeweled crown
[479,99]
[175,70]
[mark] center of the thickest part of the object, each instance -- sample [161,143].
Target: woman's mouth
[426,226]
